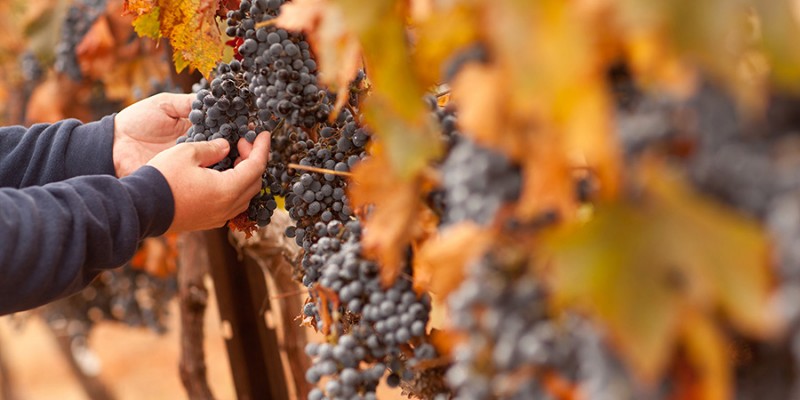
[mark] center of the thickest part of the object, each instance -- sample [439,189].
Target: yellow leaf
[639,266]
[542,100]
[149,25]
[394,109]
[708,355]
[437,43]
[190,26]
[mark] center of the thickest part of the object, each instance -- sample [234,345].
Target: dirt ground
[136,363]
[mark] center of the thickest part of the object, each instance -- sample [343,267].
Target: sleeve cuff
[90,149]
[153,200]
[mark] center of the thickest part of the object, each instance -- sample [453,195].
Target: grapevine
[522,183]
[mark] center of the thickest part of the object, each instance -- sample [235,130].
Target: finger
[250,169]
[181,126]
[244,147]
[260,150]
[209,153]
[175,105]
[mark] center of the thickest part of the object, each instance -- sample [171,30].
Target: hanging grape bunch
[273,86]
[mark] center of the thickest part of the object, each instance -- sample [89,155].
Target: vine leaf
[190,26]
[96,51]
[394,221]
[708,357]
[640,267]
[40,24]
[157,256]
[394,109]
[440,262]
[125,67]
[541,99]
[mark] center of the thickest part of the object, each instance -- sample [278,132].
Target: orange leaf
[58,98]
[446,341]
[392,224]
[96,52]
[439,264]
[138,7]
[157,256]
[708,358]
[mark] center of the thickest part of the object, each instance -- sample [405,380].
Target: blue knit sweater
[64,216]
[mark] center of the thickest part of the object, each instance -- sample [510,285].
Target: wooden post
[242,299]
[193,298]
[276,254]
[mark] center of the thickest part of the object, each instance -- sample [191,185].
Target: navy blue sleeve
[46,153]
[55,238]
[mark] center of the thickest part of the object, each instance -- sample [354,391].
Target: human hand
[205,198]
[148,127]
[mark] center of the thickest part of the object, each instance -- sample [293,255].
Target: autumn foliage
[668,273]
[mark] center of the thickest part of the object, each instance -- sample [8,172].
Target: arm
[116,145]
[47,153]
[55,238]
[58,237]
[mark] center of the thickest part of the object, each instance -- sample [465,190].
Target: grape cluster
[282,71]
[30,66]
[288,147]
[321,197]
[272,85]
[275,78]
[390,319]
[126,295]
[80,17]
[503,312]
[476,182]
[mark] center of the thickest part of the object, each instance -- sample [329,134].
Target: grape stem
[268,22]
[319,170]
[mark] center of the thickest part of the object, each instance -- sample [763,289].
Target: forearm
[46,153]
[57,237]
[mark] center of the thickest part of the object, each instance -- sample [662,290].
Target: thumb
[209,153]
[175,105]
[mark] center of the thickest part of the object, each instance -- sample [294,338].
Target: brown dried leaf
[96,52]
[327,300]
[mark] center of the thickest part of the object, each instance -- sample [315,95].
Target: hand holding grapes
[206,198]
[148,127]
